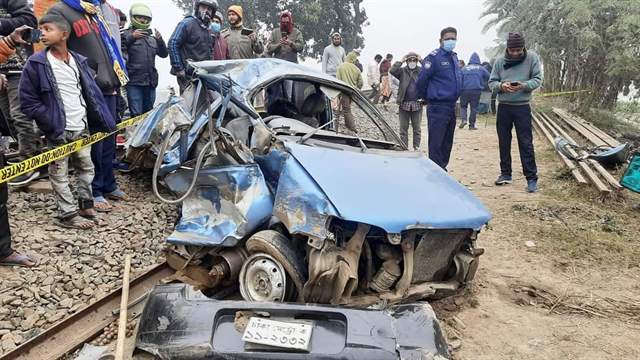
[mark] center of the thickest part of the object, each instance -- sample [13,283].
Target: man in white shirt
[373,77]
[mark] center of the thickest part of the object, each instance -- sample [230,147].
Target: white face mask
[412,65]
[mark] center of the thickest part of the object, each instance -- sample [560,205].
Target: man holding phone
[286,41]
[243,42]
[515,76]
[14,14]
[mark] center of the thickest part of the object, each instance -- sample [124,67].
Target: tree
[317,19]
[584,44]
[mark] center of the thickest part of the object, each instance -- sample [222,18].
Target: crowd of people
[91,62]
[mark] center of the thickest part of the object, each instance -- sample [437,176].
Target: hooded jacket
[85,40]
[191,40]
[285,52]
[40,97]
[13,14]
[141,58]
[349,72]
[405,76]
[474,75]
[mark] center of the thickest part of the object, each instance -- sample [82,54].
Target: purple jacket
[40,98]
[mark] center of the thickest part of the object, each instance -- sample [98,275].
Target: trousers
[441,125]
[518,116]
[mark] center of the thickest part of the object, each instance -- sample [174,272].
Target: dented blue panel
[393,190]
[228,204]
[300,203]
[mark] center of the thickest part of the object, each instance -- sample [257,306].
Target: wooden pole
[124,302]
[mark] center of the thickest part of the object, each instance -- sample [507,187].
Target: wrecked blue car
[283,203]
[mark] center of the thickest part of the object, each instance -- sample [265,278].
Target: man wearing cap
[333,55]
[140,49]
[410,109]
[220,47]
[515,76]
[439,83]
[192,41]
[286,42]
[243,42]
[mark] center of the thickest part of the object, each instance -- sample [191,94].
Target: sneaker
[473,128]
[462,125]
[25,179]
[503,180]
[532,186]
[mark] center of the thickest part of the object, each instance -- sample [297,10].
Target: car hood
[395,191]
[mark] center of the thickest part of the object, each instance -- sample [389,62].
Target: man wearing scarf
[515,76]
[243,43]
[192,40]
[92,37]
[285,43]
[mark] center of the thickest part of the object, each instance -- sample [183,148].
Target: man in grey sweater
[515,76]
[333,55]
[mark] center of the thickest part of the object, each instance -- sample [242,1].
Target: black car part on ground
[605,155]
[180,323]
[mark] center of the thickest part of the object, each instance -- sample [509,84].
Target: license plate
[288,335]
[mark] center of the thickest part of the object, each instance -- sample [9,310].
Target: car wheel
[281,250]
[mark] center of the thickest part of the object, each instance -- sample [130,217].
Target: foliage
[317,19]
[584,44]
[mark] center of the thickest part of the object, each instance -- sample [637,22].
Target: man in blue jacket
[474,80]
[192,40]
[440,84]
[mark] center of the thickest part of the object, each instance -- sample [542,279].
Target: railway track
[83,326]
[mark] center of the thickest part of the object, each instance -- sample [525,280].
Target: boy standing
[58,91]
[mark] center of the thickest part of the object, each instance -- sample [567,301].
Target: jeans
[20,126]
[415,118]
[5,231]
[469,98]
[441,125]
[84,172]
[141,99]
[102,154]
[518,116]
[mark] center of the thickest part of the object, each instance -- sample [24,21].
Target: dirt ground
[560,276]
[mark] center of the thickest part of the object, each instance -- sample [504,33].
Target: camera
[31,35]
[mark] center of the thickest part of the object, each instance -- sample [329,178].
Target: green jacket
[285,52]
[529,72]
[241,46]
[350,73]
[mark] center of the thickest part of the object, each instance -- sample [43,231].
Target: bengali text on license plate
[278,333]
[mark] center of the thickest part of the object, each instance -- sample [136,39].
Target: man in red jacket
[220,46]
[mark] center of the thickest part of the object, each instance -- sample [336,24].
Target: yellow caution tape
[12,171]
[562,93]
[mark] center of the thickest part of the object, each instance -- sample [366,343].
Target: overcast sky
[396,27]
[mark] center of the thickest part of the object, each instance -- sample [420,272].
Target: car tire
[281,249]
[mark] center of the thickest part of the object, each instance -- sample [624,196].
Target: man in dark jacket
[192,40]
[410,109]
[474,79]
[141,49]
[440,83]
[285,42]
[102,53]
[13,14]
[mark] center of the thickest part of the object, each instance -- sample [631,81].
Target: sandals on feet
[17,259]
[117,195]
[102,205]
[76,222]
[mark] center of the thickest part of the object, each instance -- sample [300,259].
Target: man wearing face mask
[439,83]
[285,43]
[220,48]
[410,109]
[243,42]
[514,77]
[192,40]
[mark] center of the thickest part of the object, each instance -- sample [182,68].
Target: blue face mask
[215,27]
[449,45]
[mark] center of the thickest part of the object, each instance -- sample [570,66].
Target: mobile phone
[514,83]
[246,32]
[31,35]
